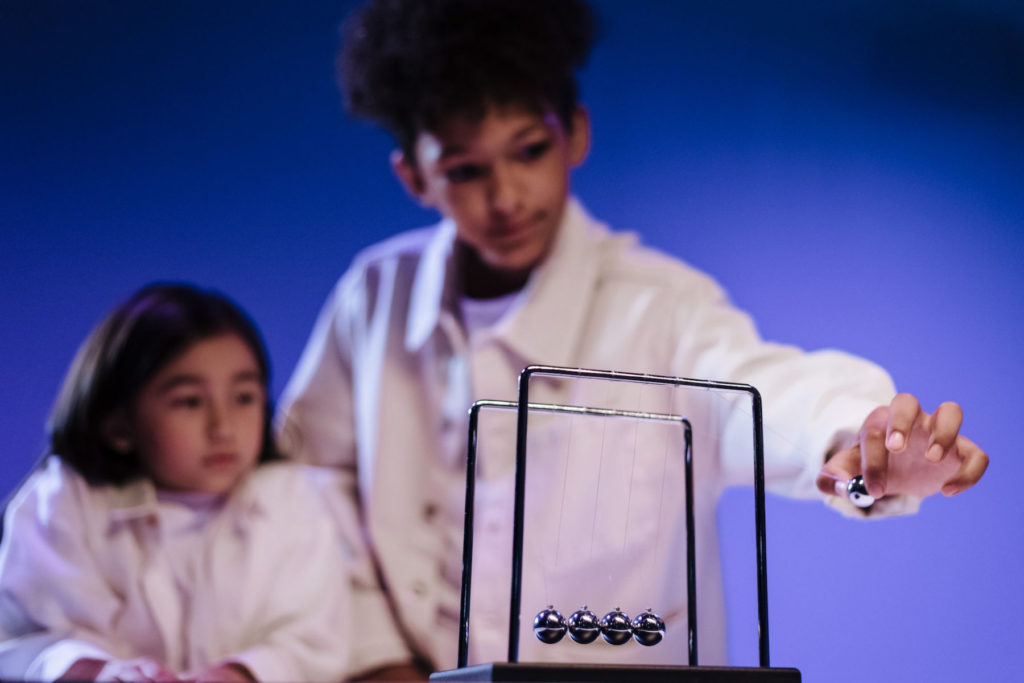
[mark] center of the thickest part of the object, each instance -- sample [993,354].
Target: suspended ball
[648,628]
[549,625]
[584,626]
[858,493]
[615,627]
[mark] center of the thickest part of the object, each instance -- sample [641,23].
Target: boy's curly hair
[408,65]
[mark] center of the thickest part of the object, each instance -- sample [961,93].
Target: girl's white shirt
[118,572]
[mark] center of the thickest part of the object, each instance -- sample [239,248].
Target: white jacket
[82,575]
[382,390]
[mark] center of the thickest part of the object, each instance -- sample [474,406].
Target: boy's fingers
[903,412]
[837,471]
[975,462]
[874,457]
[945,426]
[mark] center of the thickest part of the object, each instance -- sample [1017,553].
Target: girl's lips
[220,459]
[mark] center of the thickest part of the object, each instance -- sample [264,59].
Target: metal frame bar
[517,528]
[467,547]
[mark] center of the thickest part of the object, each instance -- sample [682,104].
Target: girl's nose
[220,424]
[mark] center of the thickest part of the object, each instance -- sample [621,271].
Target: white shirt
[85,572]
[480,315]
[383,387]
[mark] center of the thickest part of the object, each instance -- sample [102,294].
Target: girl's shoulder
[285,483]
[279,474]
[51,484]
[54,502]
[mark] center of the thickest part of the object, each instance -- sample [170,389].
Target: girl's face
[198,424]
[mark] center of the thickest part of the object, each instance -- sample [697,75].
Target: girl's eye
[246,398]
[191,401]
[535,150]
[463,173]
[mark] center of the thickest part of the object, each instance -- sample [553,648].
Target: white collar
[137,500]
[546,327]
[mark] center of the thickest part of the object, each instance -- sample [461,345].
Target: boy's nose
[505,193]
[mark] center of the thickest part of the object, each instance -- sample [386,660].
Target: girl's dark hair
[127,349]
[408,65]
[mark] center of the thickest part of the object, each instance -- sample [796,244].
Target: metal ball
[858,493]
[648,628]
[615,627]
[549,625]
[584,626]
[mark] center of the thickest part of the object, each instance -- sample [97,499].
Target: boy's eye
[535,150]
[463,173]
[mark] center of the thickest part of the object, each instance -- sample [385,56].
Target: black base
[527,672]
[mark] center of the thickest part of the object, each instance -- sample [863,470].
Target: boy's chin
[491,273]
[515,263]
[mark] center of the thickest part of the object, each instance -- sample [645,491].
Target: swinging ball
[858,493]
[549,625]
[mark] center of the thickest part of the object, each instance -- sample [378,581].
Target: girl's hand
[903,450]
[228,672]
[140,669]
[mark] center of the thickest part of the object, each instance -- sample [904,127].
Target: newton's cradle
[616,627]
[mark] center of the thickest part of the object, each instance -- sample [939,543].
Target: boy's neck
[478,280]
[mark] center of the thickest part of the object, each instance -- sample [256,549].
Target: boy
[481,98]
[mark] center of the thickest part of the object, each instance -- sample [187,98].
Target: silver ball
[584,626]
[858,493]
[648,628]
[549,625]
[615,627]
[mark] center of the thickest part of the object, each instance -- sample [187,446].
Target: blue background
[852,172]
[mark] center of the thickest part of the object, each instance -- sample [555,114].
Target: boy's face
[503,180]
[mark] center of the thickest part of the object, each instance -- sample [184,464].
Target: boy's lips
[509,231]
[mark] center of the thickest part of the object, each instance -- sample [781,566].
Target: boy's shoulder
[627,263]
[405,247]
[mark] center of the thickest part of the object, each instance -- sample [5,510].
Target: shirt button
[429,511]
[419,588]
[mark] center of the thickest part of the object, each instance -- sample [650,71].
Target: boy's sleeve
[811,401]
[317,425]
[54,606]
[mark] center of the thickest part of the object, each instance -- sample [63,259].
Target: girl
[162,538]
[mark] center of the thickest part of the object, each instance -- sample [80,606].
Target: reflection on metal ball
[584,626]
[549,625]
[858,493]
[648,628]
[615,627]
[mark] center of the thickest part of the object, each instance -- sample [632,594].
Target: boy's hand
[903,450]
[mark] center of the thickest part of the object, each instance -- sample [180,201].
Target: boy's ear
[579,138]
[117,432]
[408,174]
